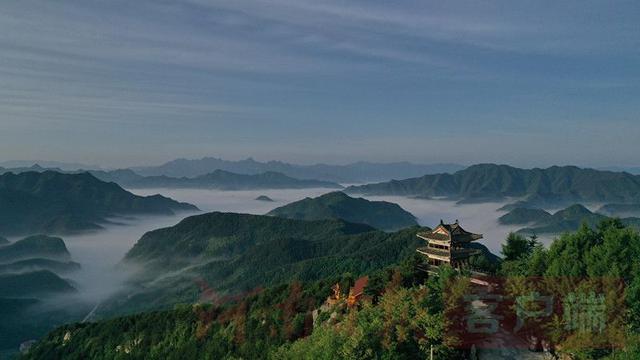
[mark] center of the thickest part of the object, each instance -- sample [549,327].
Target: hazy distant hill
[350,173]
[218,179]
[3,241]
[37,253]
[30,275]
[569,219]
[522,216]
[65,166]
[490,182]
[620,210]
[52,202]
[338,205]
[37,246]
[630,169]
[264,198]
[33,284]
[58,267]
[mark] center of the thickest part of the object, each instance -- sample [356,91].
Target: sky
[122,83]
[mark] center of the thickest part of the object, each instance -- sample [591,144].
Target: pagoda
[448,244]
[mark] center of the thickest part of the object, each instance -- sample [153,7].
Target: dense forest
[403,314]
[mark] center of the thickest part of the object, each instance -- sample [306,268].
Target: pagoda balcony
[453,254]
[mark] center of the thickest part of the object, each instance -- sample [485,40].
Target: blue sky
[123,83]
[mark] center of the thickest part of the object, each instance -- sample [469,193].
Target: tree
[518,247]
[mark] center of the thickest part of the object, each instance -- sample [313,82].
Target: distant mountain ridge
[218,179]
[338,205]
[569,219]
[52,202]
[351,173]
[534,187]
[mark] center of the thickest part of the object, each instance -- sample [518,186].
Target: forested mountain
[238,252]
[52,202]
[37,246]
[569,219]
[218,179]
[523,216]
[403,313]
[58,267]
[541,187]
[351,173]
[30,267]
[338,205]
[31,273]
[266,323]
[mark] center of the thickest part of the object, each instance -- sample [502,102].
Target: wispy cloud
[315,69]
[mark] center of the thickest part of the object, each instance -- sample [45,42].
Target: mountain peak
[338,205]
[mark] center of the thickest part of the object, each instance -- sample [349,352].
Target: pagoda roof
[450,232]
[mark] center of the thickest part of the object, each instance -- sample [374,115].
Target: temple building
[356,293]
[448,244]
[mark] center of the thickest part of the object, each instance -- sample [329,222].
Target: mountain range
[53,202]
[358,172]
[218,179]
[539,221]
[338,205]
[533,187]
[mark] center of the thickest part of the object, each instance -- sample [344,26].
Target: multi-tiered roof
[448,243]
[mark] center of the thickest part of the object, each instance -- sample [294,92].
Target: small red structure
[357,290]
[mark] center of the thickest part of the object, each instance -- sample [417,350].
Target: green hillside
[265,324]
[522,216]
[37,246]
[490,182]
[337,205]
[33,284]
[405,314]
[52,202]
[58,267]
[237,252]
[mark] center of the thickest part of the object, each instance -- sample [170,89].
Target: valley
[100,253]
